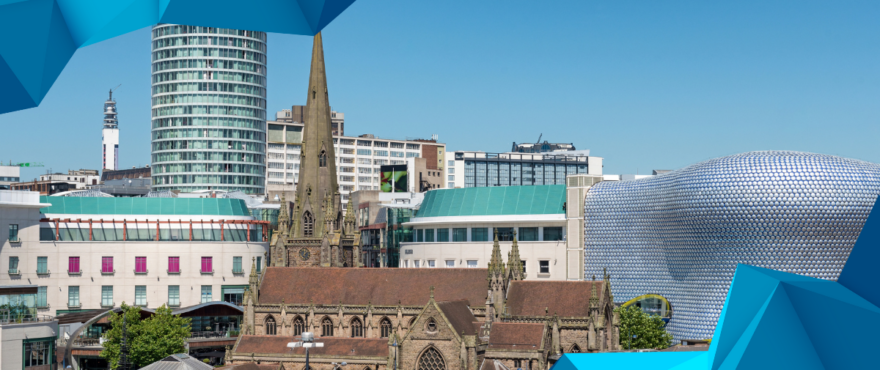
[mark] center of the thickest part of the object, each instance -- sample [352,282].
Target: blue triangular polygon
[25,51]
[13,95]
[59,49]
[632,360]
[283,16]
[104,19]
[829,290]
[860,272]
[331,10]
[837,327]
[776,339]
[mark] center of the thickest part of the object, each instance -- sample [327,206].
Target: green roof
[494,201]
[144,206]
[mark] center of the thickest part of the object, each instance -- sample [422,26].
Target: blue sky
[644,84]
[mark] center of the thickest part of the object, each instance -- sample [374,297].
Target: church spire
[317,175]
[514,263]
[496,264]
[283,219]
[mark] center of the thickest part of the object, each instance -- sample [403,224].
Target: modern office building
[358,159]
[209,109]
[681,234]
[27,338]
[78,179]
[9,175]
[95,253]
[110,136]
[481,169]
[545,147]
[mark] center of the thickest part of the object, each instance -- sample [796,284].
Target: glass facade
[680,235]
[209,109]
[507,172]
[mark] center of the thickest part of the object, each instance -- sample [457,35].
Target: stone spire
[254,279]
[594,296]
[496,264]
[514,262]
[496,278]
[283,219]
[317,175]
[349,224]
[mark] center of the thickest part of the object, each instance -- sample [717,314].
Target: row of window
[140,296]
[222,156]
[543,265]
[216,110]
[231,87]
[209,52]
[210,121]
[482,234]
[482,174]
[209,179]
[140,265]
[173,29]
[210,98]
[208,63]
[356,327]
[209,41]
[253,169]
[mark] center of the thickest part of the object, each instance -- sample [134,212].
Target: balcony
[207,272]
[74,273]
[111,272]
[213,334]
[14,272]
[43,273]
[11,319]
[144,272]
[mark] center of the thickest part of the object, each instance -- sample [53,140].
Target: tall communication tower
[110,135]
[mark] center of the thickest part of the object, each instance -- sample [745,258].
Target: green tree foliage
[149,340]
[649,330]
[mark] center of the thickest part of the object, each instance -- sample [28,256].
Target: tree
[149,340]
[649,331]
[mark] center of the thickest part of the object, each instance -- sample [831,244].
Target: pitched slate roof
[564,298]
[333,346]
[459,315]
[386,287]
[490,201]
[251,366]
[516,336]
[144,206]
[178,361]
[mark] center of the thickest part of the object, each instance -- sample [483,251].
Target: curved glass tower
[681,234]
[209,109]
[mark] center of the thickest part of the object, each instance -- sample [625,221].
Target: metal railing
[213,334]
[9,319]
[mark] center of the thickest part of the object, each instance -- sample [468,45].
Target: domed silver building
[680,235]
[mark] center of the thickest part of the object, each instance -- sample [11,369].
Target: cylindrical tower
[209,109]
[110,135]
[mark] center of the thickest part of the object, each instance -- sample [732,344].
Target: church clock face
[304,254]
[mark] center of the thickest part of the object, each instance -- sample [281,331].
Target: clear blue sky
[646,85]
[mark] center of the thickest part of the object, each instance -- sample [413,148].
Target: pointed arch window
[299,326]
[431,360]
[357,328]
[322,160]
[575,349]
[327,327]
[386,327]
[308,224]
[270,326]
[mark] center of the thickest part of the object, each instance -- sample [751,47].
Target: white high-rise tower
[110,135]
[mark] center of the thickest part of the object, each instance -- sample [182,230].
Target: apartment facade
[469,169]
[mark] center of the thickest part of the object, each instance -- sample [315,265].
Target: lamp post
[307,341]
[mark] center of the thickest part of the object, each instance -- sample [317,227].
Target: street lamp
[308,341]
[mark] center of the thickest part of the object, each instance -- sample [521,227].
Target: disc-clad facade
[209,109]
[681,234]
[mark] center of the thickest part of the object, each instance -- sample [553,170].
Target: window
[450,163]
[451,177]
[459,235]
[431,263]
[357,328]
[233,293]
[479,234]
[450,263]
[13,232]
[505,234]
[38,353]
[173,265]
[327,327]
[524,267]
[472,263]
[575,349]
[420,235]
[206,293]
[107,265]
[107,296]
[429,235]
[386,327]
[13,265]
[236,265]
[140,295]
[207,265]
[299,326]
[552,233]
[308,224]
[140,265]
[42,265]
[322,160]
[73,265]
[270,326]
[431,359]
[174,295]
[364,152]
[528,234]
[442,235]
[450,185]
[544,267]
[73,296]
[431,326]
[42,295]
[259,264]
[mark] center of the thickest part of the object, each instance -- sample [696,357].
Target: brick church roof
[564,298]
[333,346]
[516,336]
[361,286]
[460,316]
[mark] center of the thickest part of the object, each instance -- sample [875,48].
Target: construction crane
[27,164]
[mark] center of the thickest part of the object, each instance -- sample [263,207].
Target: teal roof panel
[494,201]
[144,206]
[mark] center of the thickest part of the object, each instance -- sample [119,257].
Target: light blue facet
[31,61]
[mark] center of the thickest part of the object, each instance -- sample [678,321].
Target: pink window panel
[140,264]
[173,264]
[106,264]
[73,264]
[207,264]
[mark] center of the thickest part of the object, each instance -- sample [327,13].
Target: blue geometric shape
[778,320]
[44,34]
